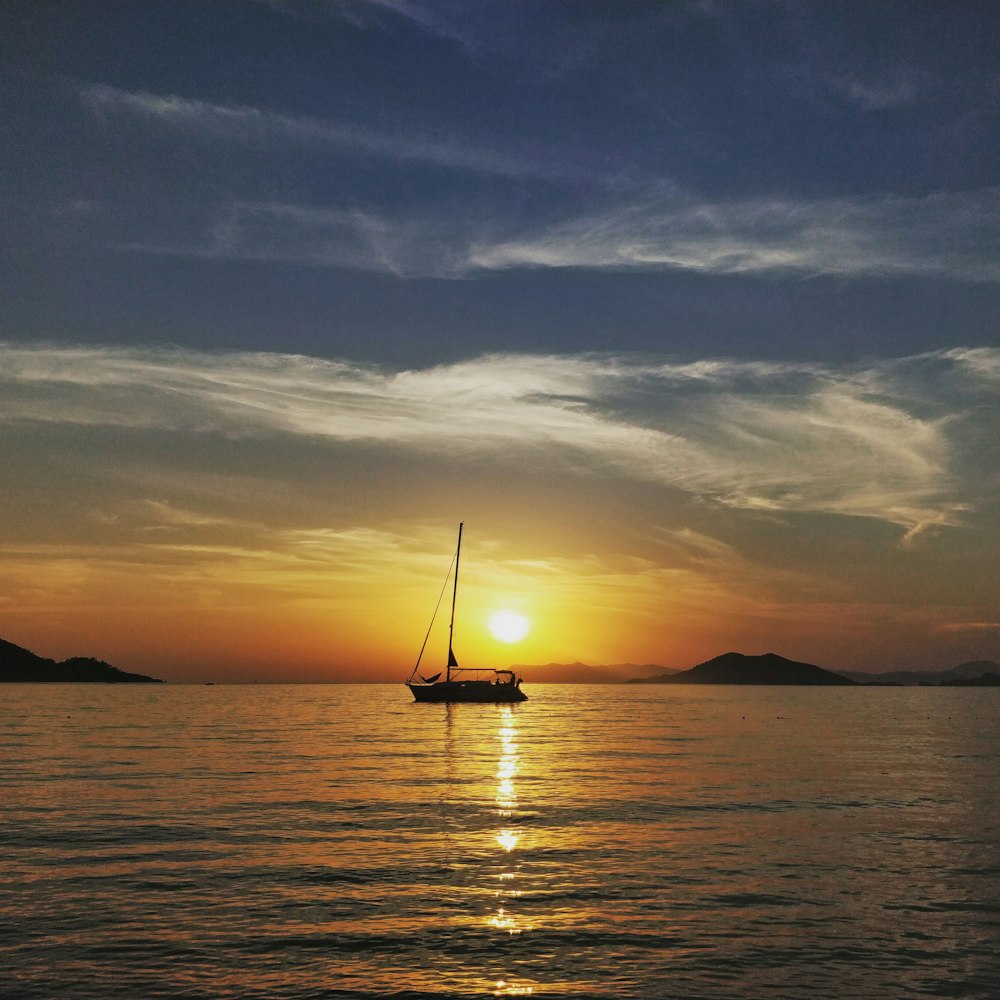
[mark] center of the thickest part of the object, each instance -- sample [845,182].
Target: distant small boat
[474,684]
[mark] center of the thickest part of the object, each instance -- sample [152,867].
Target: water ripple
[335,842]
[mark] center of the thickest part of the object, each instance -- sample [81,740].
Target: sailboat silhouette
[460,683]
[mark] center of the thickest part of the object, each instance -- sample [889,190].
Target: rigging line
[437,607]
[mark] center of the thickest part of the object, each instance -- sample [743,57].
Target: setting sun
[508,626]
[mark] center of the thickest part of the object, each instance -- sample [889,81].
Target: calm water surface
[335,841]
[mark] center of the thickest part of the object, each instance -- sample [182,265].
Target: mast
[452,662]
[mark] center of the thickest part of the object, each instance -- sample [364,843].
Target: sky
[688,310]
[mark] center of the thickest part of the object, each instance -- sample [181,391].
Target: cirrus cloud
[894,441]
[607,217]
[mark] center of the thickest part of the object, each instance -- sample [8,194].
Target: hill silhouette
[985,679]
[22,666]
[960,676]
[738,668]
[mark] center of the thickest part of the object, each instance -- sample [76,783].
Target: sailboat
[476,684]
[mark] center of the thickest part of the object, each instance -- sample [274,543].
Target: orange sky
[248,517]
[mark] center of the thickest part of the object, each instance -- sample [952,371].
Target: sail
[505,688]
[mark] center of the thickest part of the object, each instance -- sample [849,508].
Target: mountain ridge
[22,666]
[741,668]
[968,671]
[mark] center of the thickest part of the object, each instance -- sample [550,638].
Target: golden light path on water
[507,838]
[498,870]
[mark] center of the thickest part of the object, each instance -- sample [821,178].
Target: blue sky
[404,182]
[728,269]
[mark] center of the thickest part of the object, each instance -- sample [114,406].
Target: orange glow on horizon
[321,606]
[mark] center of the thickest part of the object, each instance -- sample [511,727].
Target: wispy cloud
[970,627]
[880,443]
[846,238]
[642,224]
[443,18]
[334,237]
[243,124]
[876,93]
[867,237]
[841,236]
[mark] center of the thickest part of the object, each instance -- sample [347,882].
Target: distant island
[738,668]
[975,673]
[20,665]
[769,668]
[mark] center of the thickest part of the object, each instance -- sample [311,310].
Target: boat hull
[481,692]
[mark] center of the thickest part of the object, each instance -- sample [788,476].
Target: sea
[647,841]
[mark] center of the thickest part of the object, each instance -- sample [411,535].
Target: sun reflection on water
[507,837]
[506,989]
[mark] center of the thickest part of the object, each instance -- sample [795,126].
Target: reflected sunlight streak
[510,990]
[507,838]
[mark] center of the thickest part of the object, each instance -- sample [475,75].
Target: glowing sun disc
[508,626]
